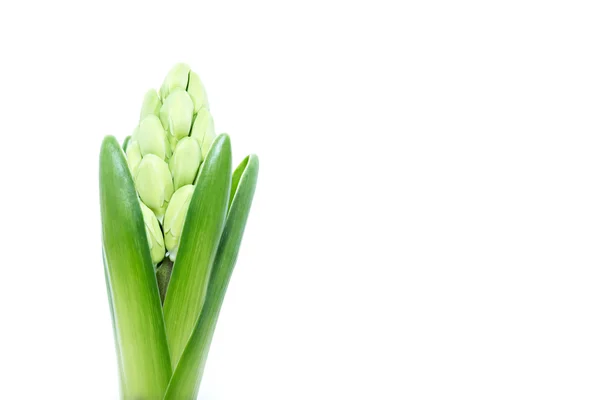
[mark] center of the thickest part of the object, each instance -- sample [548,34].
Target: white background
[427,218]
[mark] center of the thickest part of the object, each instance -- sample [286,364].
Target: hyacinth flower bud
[185,162]
[177,113]
[134,155]
[197,92]
[151,104]
[154,184]
[132,137]
[177,78]
[154,234]
[175,217]
[203,130]
[151,137]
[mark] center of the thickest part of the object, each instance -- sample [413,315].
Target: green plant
[173,217]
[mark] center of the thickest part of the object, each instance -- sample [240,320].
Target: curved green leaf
[199,241]
[188,373]
[114,325]
[163,274]
[237,175]
[143,354]
[126,142]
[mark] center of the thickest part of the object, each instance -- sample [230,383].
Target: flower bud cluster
[164,155]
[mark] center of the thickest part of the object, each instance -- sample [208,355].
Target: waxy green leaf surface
[143,354]
[188,372]
[199,241]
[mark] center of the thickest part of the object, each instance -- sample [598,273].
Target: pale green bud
[177,113]
[197,92]
[154,234]
[154,184]
[151,104]
[203,130]
[134,156]
[135,132]
[185,162]
[176,78]
[152,137]
[175,218]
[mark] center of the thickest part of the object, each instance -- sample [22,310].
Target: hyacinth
[173,213]
[164,154]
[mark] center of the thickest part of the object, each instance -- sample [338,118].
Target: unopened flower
[151,104]
[203,130]
[177,113]
[134,155]
[154,234]
[185,162]
[175,217]
[151,137]
[154,184]
[177,78]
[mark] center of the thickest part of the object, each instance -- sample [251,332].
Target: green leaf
[199,241]
[163,275]
[143,354]
[237,175]
[114,325]
[126,142]
[188,373]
